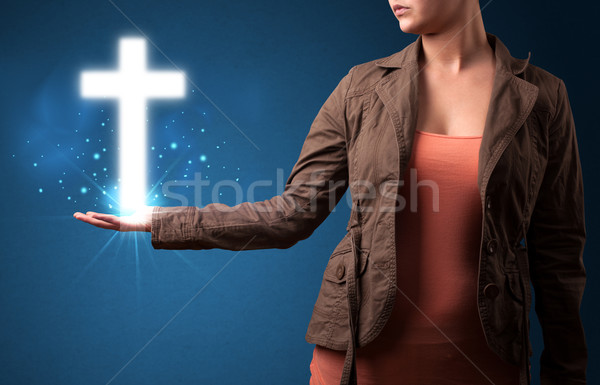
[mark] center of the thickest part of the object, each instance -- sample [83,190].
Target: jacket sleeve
[556,239]
[315,185]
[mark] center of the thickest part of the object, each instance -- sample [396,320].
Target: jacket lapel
[399,94]
[511,102]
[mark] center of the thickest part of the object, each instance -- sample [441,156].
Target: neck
[458,46]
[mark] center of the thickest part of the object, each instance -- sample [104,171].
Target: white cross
[132,84]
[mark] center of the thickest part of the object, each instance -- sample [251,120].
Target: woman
[466,184]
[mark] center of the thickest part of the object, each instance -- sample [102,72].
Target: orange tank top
[434,335]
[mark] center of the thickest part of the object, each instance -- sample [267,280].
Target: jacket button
[488,203]
[340,271]
[491,290]
[491,246]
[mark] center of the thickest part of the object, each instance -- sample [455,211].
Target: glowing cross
[132,85]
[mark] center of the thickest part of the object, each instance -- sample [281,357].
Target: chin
[407,26]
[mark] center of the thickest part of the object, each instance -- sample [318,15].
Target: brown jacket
[531,190]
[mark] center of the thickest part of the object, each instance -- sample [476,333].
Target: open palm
[141,220]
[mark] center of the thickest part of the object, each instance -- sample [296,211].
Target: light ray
[91,262]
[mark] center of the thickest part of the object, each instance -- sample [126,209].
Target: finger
[96,222]
[104,217]
[101,224]
[89,219]
[125,223]
[118,223]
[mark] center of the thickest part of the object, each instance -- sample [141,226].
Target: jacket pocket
[329,322]
[339,263]
[334,290]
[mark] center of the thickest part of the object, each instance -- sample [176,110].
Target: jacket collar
[511,102]
[410,54]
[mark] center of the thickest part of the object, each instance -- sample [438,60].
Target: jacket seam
[274,221]
[554,113]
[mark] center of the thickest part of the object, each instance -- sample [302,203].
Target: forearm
[275,223]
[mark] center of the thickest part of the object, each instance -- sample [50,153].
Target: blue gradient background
[77,303]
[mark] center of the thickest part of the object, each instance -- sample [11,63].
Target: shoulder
[551,88]
[364,77]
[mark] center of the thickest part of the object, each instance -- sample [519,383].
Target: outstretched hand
[141,220]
